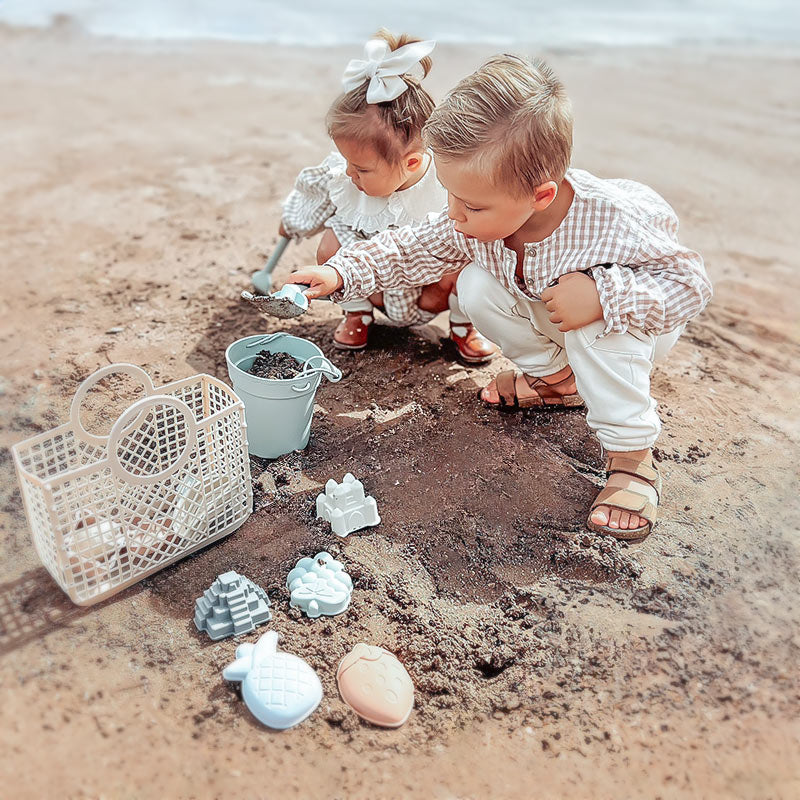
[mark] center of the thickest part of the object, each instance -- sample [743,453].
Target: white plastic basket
[171,476]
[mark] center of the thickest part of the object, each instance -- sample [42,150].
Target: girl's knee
[434,298]
[447,283]
[328,246]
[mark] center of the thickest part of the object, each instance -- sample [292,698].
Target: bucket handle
[84,389]
[126,424]
[326,368]
[266,338]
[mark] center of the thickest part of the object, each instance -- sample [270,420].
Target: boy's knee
[476,287]
[328,246]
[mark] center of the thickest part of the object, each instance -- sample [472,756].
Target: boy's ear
[544,194]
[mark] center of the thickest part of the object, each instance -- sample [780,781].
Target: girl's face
[372,174]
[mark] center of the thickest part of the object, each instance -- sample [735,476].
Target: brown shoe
[473,347]
[353,331]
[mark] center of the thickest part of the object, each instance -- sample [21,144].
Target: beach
[141,184]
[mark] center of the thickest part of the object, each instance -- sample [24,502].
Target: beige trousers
[612,372]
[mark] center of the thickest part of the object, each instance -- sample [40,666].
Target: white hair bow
[383,67]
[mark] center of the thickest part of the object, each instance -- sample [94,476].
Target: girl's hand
[573,302]
[321,281]
[282,232]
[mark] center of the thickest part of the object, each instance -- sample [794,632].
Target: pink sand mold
[346,506]
[376,686]
[319,586]
[231,606]
[279,689]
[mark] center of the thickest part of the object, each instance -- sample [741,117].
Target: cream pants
[612,372]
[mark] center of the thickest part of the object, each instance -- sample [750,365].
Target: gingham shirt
[620,231]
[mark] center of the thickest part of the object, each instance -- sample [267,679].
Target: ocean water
[550,23]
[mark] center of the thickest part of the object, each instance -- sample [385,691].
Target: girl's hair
[393,128]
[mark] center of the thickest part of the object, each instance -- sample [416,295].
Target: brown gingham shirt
[621,232]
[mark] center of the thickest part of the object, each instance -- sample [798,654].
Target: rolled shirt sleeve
[401,258]
[309,205]
[663,289]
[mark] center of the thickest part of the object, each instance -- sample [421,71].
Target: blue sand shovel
[262,280]
[288,302]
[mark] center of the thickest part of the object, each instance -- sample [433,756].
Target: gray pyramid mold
[231,606]
[346,506]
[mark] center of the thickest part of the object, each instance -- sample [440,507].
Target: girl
[380,177]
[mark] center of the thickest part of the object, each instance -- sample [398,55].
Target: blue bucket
[278,412]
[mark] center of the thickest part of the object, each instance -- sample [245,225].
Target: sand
[140,188]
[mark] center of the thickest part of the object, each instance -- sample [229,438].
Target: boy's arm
[308,205]
[400,258]
[662,293]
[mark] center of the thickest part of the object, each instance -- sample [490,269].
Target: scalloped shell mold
[376,686]
[319,586]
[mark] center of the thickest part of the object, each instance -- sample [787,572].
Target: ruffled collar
[374,214]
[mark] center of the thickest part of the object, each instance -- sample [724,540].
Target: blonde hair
[512,118]
[393,128]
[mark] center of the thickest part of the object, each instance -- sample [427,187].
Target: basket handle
[88,385]
[124,425]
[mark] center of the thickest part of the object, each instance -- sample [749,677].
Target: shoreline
[69,30]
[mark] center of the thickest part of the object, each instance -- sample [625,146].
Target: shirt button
[533,251]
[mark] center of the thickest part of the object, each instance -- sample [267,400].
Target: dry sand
[140,187]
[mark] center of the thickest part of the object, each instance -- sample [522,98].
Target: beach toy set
[289,302]
[262,279]
[231,606]
[172,476]
[280,689]
[376,686]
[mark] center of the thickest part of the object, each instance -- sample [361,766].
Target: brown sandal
[628,499]
[545,395]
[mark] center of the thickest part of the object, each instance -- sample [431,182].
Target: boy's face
[479,209]
[371,173]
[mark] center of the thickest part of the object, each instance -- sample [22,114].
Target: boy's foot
[352,332]
[627,507]
[511,391]
[473,347]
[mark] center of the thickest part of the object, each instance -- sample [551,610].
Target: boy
[581,281]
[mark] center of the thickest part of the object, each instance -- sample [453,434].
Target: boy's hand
[282,232]
[321,281]
[574,302]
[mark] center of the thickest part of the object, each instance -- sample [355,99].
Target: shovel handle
[275,256]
